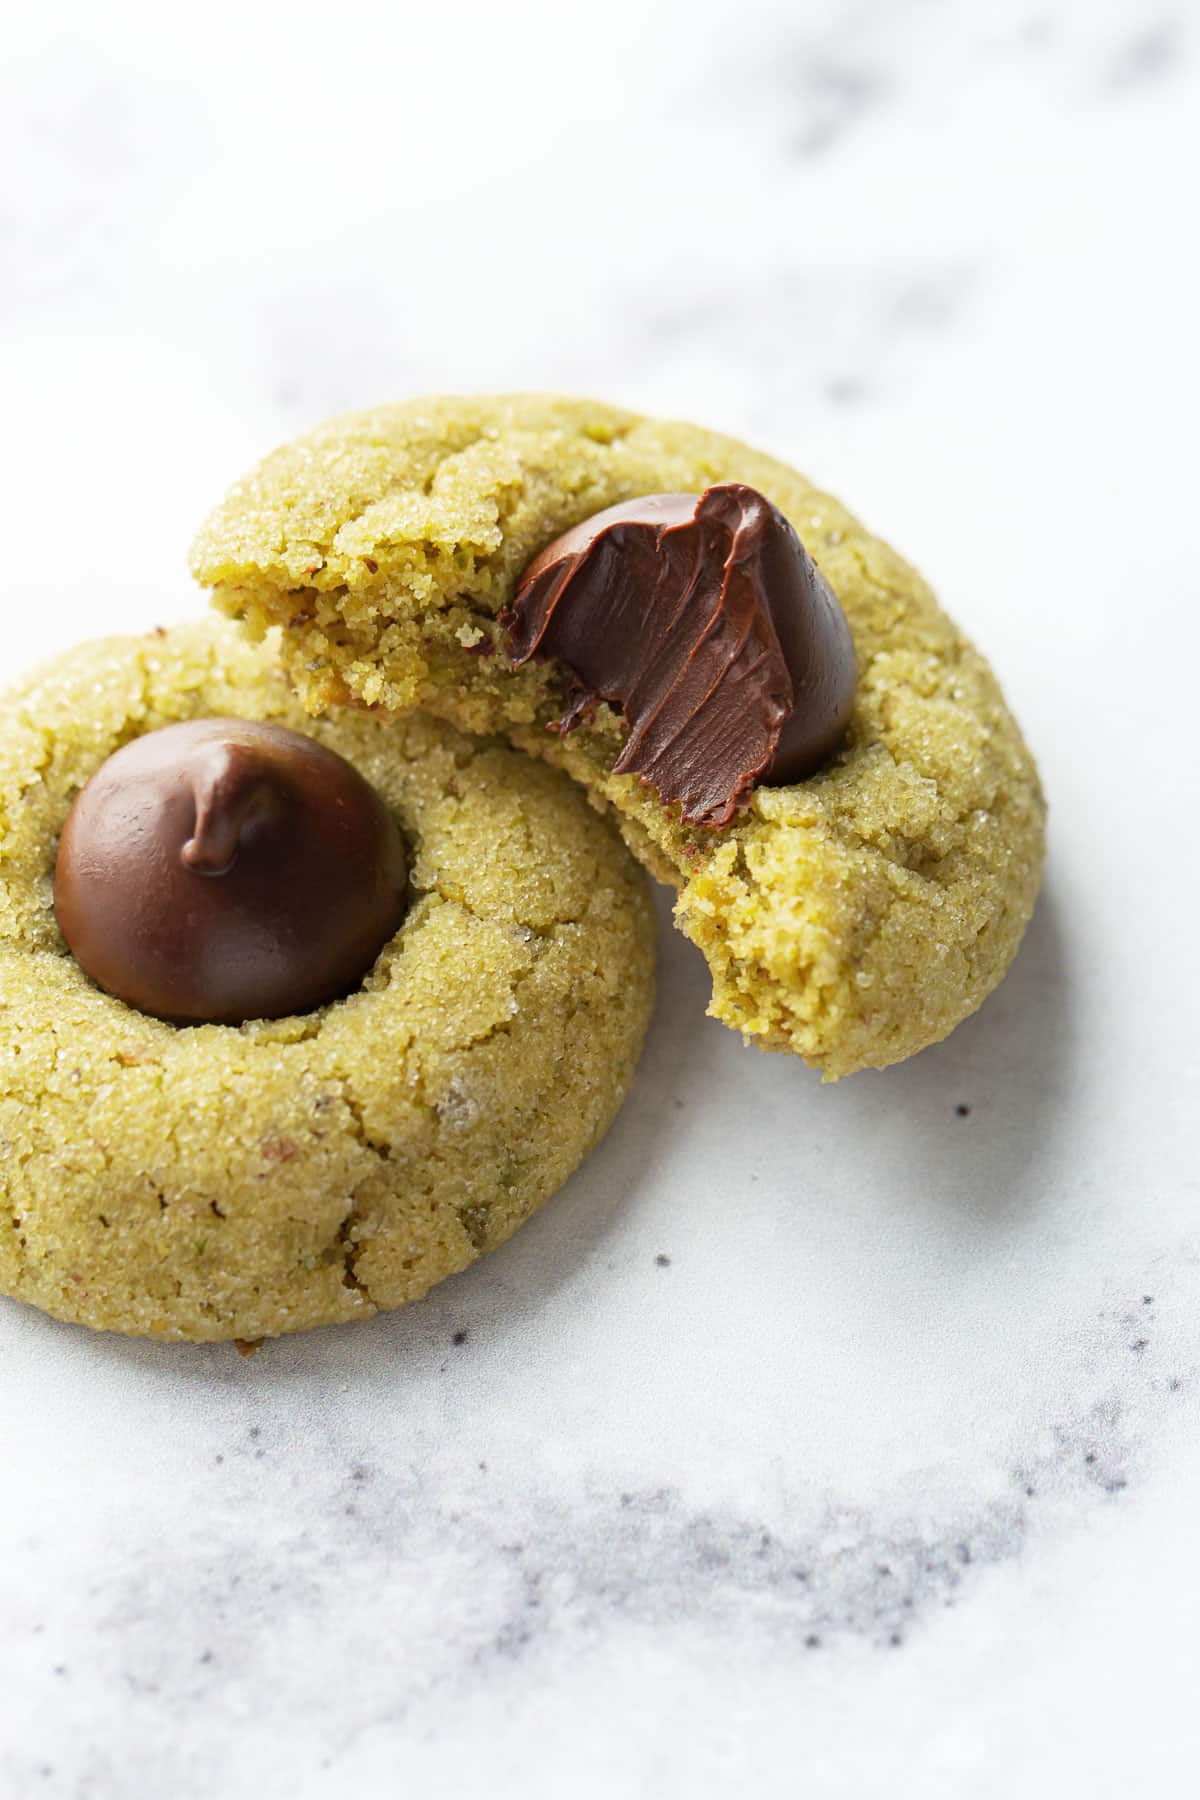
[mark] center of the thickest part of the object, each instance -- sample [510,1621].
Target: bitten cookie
[218,1181]
[853,916]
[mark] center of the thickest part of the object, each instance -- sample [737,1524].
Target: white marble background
[822,1442]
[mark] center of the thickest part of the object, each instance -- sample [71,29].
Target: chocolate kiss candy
[707,624]
[222,870]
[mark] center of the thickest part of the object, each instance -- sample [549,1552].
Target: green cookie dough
[237,1182]
[854,918]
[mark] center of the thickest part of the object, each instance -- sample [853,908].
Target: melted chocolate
[707,624]
[222,870]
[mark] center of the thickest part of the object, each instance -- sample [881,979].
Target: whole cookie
[220,1181]
[853,917]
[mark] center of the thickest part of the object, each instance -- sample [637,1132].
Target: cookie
[235,1181]
[854,916]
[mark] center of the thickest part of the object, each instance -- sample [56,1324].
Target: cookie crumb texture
[853,918]
[238,1182]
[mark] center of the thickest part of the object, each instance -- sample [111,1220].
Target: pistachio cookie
[785,723]
[449,954]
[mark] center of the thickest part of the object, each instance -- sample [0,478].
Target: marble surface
[826,1441]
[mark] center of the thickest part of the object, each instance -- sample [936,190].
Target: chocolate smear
[703,620]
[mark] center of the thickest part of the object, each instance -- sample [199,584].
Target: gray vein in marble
[840,333]
[452,1583]
[832,98]
[823,77]
[1149,56]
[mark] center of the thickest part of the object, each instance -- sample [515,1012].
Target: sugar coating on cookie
[853,918]
[240,1181]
